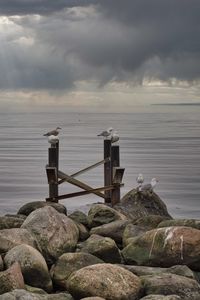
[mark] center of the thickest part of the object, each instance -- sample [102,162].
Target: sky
[100,55]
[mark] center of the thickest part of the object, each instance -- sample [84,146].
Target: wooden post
[115,162]
[107,170]
[53,163]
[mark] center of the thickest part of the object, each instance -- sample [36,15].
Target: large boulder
[100,214]
[27,208]
[10,222]
[70,262]
[33,266]
[180,222]
[104,280]
[55,232]
[165,247]
[10,238]
[151,221]
[137,204]
[102,247]
[171,284]
[11,279]
[131,232]
[79,217]
[20,294]
[114,230]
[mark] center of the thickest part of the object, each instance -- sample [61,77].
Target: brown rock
[11,279]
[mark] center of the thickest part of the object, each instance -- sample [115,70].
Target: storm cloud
[54,44]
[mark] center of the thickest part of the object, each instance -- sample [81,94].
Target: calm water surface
[165,145]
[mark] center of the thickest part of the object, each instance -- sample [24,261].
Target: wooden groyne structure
[113,175]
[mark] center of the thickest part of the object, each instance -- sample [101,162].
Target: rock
[10,222]
[100,214]
[11,279]
[132,231]
[139,204]
[1,263]
[180,222]
[31,262]
[79,217]
[10,238]
[104,280]
[55,232]
[178,270]
[83,232]
[165,247]
[171,284]
[70,262]
[93,298]
[114,230]
[151,221]
[19,216]
[31,206]
[35,290]
[25,295]
[161,297]
[102,247]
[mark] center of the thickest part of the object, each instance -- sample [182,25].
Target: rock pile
[130,252]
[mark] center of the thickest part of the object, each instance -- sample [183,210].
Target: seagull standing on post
[114,137]
[54,132]
[106,133]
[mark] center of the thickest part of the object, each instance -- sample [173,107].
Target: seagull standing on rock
[149,187]
[106,133]
[140,180]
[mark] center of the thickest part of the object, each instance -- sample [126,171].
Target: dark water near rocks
[165,145]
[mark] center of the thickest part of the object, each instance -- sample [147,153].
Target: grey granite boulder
[79,217]
[55,232]
[102,247]
[27,208]
[70,262]
[100,214]
[114,230]
[151,221]
[104,280]
[10,238]
[165,247]
[194,223]
[171,284]
[31,262]
[11,279]
[139,204]
[130,232]
[20,294]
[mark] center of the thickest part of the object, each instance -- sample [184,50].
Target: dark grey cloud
[103,40]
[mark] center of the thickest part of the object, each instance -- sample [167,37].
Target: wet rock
[114,230]
[132,231]
[35,290]
[171,284]
[180,222]
[100,214]
[104,280]
[11,279]
[151,221]
[70,262]
[79,217]
[139,204]
[83,232]
[31,206]
[165,247]
[25,295]
[10,222]
[10,238]
[1,263]
[55,232]
[102,247]
[33,266]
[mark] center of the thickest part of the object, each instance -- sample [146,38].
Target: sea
[162,142]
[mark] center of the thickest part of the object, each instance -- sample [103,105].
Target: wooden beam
[78,183]
[87,169]
[77,194]
[107,169]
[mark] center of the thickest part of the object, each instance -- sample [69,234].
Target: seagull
[54,132]
[53,139]
[149,186]
[140,180]
[106,132]
[114,137]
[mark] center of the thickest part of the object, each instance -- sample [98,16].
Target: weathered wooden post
[52,171]
[117,174]
[107,170]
